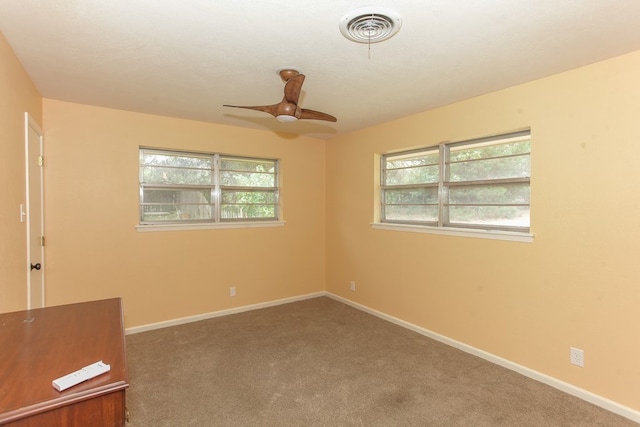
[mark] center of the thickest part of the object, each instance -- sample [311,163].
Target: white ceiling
[186,58]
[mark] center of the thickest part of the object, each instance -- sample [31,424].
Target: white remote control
[80,375]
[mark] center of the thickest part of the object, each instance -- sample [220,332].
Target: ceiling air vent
[370,24]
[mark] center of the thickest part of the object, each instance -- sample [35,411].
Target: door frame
[30,124]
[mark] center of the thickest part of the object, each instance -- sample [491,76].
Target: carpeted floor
[322,363]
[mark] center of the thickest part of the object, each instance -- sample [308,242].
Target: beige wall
[17,96]
[94,250]
[577,284]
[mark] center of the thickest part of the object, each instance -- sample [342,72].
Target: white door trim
[30,124]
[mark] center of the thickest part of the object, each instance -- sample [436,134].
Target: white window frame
[216,190]
[442,225]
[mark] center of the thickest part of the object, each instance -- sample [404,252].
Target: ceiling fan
[288,109]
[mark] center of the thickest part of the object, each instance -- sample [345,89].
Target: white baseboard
[204,316]
[595,399]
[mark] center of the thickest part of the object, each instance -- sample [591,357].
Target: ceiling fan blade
[292,89]
[316,115]
[288,109]
[271,109]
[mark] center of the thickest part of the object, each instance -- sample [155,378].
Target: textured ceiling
[186,58]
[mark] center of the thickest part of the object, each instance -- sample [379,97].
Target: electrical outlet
[576,356]
[353,286]
[232,291]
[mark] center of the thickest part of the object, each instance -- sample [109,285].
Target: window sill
[208,226]
[460,232]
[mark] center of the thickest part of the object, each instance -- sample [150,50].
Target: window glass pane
[247,172]
[248,204]
[171,205]
[247,179]
[411,196]
[414,175]
[247,211]
[412,169]
[247,165]
[505,216]
[490,194]
[423,158]
[176,160]
[248,197]
[168,175]
[497,168]
[168,196]
[505,159]
[414,213]
[157,213]
[488,150]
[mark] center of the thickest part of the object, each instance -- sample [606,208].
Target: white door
[35,215]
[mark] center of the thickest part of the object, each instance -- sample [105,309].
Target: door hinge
[41,240]
[40,160]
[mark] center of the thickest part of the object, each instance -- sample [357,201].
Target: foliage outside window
[481,184]
[190,187]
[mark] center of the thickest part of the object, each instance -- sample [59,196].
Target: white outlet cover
[576,356]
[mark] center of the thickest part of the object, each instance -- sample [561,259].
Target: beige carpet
[322,363]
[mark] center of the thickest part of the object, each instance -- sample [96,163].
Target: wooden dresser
[38,346]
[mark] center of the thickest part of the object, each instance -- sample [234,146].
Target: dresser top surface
[40,345]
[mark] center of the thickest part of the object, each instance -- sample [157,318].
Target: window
[194,188]
[478,184]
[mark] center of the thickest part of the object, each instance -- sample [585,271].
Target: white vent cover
[370,24]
